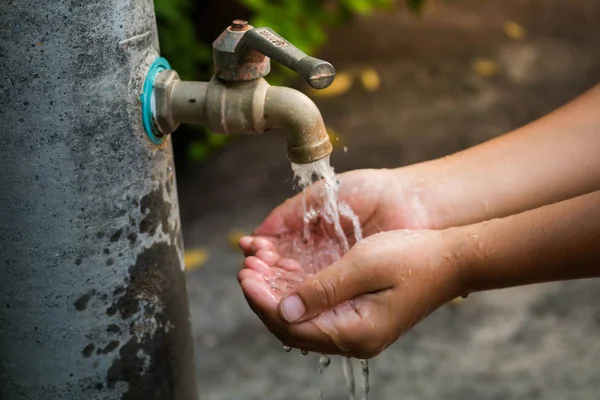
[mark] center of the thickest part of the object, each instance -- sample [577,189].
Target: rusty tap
[242,53]
[238,100]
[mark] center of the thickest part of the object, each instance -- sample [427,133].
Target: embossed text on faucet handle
[318,73]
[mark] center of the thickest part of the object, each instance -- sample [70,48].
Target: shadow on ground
[533,342]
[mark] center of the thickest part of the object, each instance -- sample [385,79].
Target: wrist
[460,248]
[425,196]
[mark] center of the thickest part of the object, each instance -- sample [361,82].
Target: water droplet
[349,375]
[324,362]
[304,352]
[330,212]
[364,366]
[345,149]
[287,349]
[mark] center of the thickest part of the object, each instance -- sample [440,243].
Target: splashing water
[324,362]
[349,375]
[321,169]
[364,366]
[325,248]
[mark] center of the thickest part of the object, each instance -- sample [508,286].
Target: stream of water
[331,211]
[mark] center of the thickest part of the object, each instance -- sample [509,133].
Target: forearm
[550,160]
[551,243]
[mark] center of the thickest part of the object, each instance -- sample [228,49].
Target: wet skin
[278,259]
[388,282]
[520,209]
[360,326]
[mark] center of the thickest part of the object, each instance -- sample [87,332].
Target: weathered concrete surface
[534,342]
[93,300]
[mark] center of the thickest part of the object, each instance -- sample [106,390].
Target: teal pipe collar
[147,98]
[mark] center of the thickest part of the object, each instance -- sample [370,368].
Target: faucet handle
[318,73]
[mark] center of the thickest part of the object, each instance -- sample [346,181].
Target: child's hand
[360,304]
[382,199]
[278,259]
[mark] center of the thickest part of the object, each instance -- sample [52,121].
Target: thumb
[344,280]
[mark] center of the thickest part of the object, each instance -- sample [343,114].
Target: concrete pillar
[93,301]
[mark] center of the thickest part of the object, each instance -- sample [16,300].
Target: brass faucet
[238,99]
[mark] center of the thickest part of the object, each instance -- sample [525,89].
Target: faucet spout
[251,107]
[301,120]
[238,99]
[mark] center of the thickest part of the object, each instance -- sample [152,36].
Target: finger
[245,243]
[264,305]
[262,243]
[257,291]
[284,338]
[312,338]
[306,336]
[345,279]
[247,274]
[269,257]
[289,265]
[341,331]
[258,265]
[252,244]
[361,328]
[280,280]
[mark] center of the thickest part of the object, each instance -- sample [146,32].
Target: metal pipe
[188,101]
[246,107]
[301,120]
[93,300]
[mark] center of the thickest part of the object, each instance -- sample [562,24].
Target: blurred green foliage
[302,22]
[177,37]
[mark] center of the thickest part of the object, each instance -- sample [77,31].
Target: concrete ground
[533,342]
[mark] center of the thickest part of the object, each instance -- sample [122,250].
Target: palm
[377,197]
[281,255]
[305,248]
[275,267]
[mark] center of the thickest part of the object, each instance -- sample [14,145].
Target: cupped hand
[358,305]
[383,200]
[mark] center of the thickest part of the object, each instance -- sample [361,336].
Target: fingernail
[292,308]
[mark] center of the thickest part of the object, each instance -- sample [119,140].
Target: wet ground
[528,343]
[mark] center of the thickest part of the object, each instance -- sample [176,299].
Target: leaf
[370,80]
[485,68]
[342,83]
[194,259]
[513,30]
[234,236]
